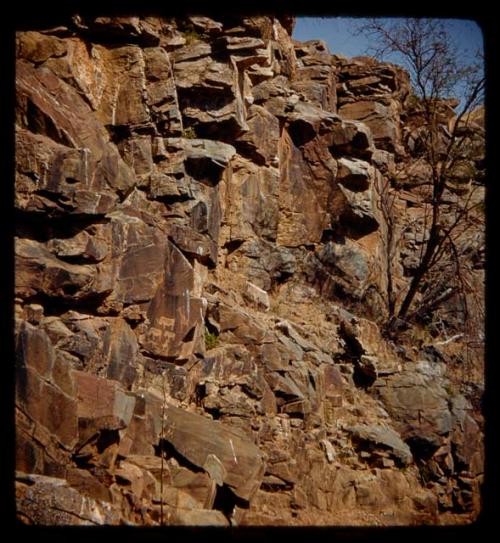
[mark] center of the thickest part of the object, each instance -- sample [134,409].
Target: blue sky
[338,34]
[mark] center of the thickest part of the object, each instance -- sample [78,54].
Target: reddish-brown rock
[103,402]
[196,437]
[39,395]
[49,501]
[204,269]
[383,121]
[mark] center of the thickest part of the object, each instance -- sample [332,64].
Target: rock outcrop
[201,277]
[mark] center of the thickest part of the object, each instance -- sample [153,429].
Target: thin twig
[162,441]
[449,340]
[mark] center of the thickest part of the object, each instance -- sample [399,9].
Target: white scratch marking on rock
[86,152]
[114,105]
[234,452]
[188,305]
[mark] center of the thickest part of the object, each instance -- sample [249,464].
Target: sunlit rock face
[201,280]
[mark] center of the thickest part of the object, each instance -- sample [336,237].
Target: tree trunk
[421,271]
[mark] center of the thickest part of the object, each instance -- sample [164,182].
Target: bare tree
[437,71]
[386,202]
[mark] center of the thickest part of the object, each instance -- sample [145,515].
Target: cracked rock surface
[201,282]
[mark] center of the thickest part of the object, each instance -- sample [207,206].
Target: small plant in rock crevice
[192,35]
[211,340]
[190,133]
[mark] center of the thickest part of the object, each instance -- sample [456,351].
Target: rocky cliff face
[201,277]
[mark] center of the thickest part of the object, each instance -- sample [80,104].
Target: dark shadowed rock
[38,270]
[348,262]
[262,262]
[37,47]
[202,154]
[352,138]
[354,174]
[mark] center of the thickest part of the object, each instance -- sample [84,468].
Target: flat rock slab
[103,401]
[419,404]
[214,151]
[44,387]
[196,437]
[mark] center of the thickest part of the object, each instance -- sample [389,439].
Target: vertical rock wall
[201,262]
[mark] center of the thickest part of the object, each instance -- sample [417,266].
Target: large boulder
[383,121]
[102,403]
[262,262]
[206,155]
[346,261]
[419,404]
[196,438]
[37,270]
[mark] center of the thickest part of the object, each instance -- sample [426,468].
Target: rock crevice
[201,278]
